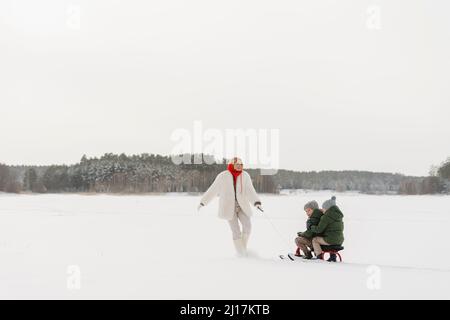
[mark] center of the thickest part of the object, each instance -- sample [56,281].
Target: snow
[159,247]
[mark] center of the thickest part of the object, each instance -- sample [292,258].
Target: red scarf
[235,174]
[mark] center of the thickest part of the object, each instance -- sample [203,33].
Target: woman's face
[238,165]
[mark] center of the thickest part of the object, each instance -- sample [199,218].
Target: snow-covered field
[159,247]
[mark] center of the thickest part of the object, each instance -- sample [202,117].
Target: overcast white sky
[344,95]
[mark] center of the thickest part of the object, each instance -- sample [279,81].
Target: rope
[286,242]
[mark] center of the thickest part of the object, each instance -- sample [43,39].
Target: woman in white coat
[235,189]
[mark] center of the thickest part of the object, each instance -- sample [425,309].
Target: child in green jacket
[330,230]
[304,239]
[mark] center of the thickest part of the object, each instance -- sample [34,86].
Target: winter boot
[332,258]
[319,257]
[245,238]
[297,253]
[239,246]
[308,256]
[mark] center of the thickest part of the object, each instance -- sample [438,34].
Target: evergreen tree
[4,176]
[30,179]
[444,170]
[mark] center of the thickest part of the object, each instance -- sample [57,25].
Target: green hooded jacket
[331,226]
[312,221]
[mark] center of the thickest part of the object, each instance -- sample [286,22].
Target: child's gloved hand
[300,234]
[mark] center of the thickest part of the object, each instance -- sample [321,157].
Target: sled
[327,250]
[332,250]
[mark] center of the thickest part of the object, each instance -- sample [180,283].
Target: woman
[235,189]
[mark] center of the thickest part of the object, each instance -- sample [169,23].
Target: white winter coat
[223,187]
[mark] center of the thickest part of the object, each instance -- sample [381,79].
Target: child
[304,240]
[330,230]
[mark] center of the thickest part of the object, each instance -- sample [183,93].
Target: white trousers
[246,223]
